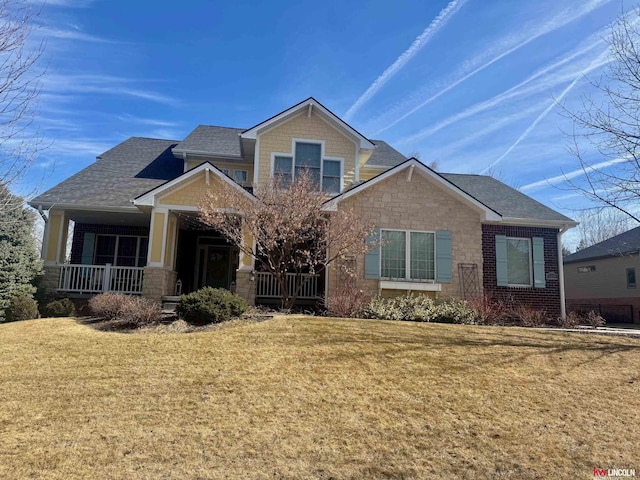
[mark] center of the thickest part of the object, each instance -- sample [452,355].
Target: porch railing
[100,278]
[268,287]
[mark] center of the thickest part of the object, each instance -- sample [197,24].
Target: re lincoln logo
[613,472]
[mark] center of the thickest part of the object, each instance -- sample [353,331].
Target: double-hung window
[307,159]
[519,262]
[407,255]
[240,176]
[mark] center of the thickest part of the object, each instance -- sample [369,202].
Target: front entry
[214,264]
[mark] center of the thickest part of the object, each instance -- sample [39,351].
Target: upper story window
[631,277]
[307,158]
[240,176]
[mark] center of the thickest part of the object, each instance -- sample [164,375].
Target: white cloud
[434,27]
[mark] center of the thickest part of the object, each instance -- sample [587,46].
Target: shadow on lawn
[394,340]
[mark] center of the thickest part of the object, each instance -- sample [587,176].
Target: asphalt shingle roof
[502,198]
[384,155]
[223,141]
[118,175]
[623,244]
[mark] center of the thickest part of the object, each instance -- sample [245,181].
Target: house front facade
[137,228]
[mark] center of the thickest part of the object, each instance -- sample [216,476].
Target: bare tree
[610,125]
[599,225]
[19,88]
[291,226]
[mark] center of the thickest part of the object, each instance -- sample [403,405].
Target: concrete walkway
[629,331]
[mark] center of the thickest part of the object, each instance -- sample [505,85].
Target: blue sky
[471,84]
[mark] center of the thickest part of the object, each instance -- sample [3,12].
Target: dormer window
[308,158]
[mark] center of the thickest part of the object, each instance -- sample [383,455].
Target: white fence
[268,287]
[100,278]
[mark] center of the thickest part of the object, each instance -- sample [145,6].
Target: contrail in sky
[434,27]
[547,28]
[544,113]
[574,174]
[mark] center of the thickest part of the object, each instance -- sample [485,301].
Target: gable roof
[624,244]
[384,155]
[309,103]
[147,198]
[116,177]
[507,201]
[499,202]
[213,141]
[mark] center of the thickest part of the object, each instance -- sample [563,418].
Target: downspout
[563,307]
[44,232]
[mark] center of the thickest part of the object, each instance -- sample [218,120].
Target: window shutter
[538,263]
[444,264]
[372,257]
[501,261]
[87,248]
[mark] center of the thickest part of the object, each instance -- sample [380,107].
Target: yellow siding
[369,173]
[225,165]
[311,128]
[247,261]
[171,238]
[190,195]
[55,224]
[156,238]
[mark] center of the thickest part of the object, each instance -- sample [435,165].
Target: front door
[214,266]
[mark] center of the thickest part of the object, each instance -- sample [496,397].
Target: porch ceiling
[133,219]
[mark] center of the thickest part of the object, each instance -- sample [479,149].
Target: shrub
[21,307]
[489,311]
[530,317]
[455,311]
[595,320]
[210,305]
[108,305]
[59,308]
[571,320]
[126,308]
[140,311]
[417,308]
[348,300]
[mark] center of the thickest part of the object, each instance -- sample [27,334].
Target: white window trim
[323,157]
[115,251]
[407,259]
[516,285]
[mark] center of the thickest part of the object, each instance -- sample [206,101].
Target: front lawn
[304,397]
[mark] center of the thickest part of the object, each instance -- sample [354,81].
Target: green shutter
[501,261]
[372,257]
[87,248]
[538,263]
[444,263]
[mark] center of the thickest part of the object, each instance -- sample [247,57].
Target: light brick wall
[311,128]
[245,287]
[422,205]
[158,282]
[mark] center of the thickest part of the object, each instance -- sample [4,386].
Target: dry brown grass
[303,397]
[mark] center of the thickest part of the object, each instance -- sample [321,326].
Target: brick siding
[547,299]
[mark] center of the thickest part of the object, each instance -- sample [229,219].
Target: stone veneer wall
[245,287]
[158,282]
[50,278]
[548,298]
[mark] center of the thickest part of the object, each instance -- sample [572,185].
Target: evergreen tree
[19,260]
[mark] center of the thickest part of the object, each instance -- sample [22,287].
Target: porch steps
[169,303]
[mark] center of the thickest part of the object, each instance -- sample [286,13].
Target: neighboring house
[137,230]
[602,277]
